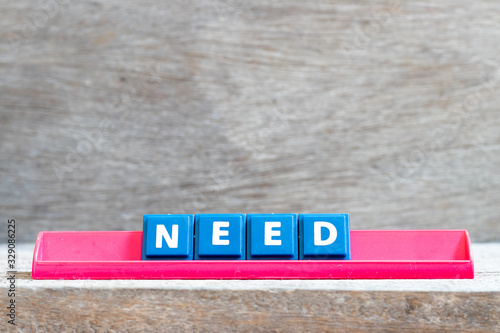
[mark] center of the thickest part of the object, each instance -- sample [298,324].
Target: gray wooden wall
[386,110]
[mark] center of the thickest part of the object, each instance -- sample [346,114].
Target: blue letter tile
[168,237]
[324,236]
[220,236]
[272,236]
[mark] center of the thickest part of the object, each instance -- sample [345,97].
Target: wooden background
[112,109]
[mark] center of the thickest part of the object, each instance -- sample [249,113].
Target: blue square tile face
[272,236]
[324,236]
[167,237]
[220,236]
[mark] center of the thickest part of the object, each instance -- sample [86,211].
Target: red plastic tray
[376,254]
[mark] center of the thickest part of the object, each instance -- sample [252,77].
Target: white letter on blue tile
[317,233]
[161,233]
[217,233]
[269,233]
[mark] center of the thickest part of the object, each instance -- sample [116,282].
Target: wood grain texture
[256,311]
[385,110]
[259,305]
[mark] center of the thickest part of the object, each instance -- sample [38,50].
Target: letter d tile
[324,236]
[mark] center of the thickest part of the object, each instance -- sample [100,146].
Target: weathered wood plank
[257,311]
[281,306]
[386,110]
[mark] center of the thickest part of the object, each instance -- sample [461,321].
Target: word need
[246,237]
